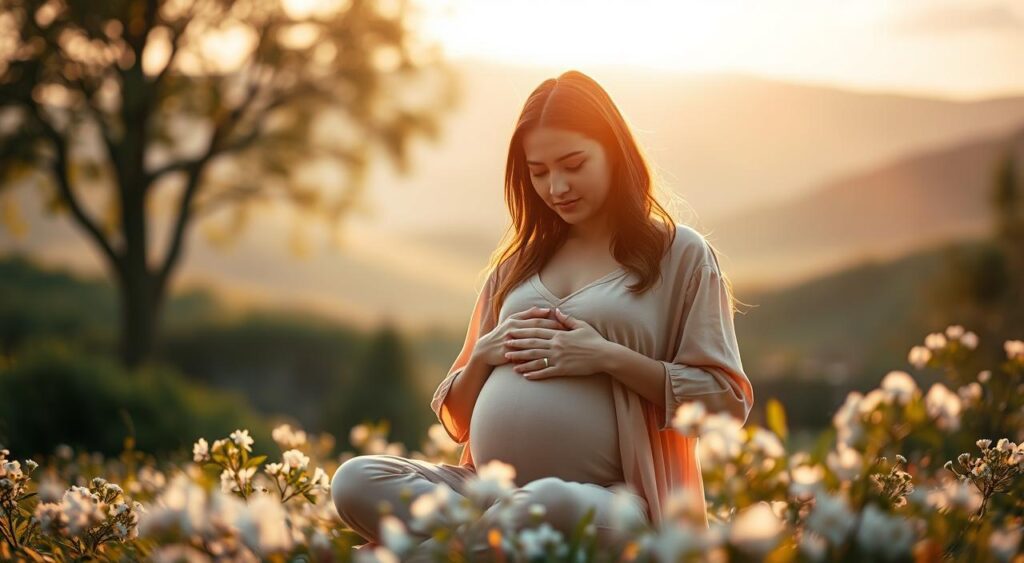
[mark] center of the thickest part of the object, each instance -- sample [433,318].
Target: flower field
[904,474]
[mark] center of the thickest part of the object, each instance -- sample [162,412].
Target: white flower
[359,434]
[245,475]
[813,546]
[873,400]
[440,438]
[1004,542]
[722,437]
[688,417]
[263,525]
[1014,349]
[845,462]
[200,451]
[831,518]
[296,459]
[888,536]
[242,440]
[320,479]
[438,507]
[227,481]
[767,443]
[899,386]
[919,356]
[1004,445]
[10,469]
[954,332]
[82,508]
[50,517]
[394,536]
[218,445]
[970,394]
[756,530]
[681,505]
[627,512]
[944,406]
[536,541]
[935,341]
[50,490]
[379,554]
[288,438]
[847,419]
[64,451]
[494,480]
[182,506]
[273,469]
[969,340]
[672,541]
[805,480]
[953,494]
[983,444]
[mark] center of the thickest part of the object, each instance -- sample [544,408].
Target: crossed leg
[363,484]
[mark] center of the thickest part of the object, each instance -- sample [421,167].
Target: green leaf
[256,461]
[776,416]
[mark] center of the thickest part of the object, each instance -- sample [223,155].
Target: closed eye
[569,168]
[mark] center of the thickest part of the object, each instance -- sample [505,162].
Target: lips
[567,203]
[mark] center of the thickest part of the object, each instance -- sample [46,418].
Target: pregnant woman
[600,315]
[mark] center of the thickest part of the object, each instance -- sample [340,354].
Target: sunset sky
[419,247]
[959,48]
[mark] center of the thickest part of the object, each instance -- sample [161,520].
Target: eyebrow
[559,159]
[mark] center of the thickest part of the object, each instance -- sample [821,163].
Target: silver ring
[546,362]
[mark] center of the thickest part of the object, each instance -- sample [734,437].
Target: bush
[53,394]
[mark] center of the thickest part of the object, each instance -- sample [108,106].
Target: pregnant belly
[558,427]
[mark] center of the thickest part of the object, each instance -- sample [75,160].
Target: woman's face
[566,166]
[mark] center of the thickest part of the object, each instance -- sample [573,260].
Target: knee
[562,507]
[350,483]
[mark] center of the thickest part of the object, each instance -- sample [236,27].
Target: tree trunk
[140,315]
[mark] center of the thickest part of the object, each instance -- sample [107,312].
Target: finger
[520,343]
[545,373]
[538,323]
[528,355]
[530,362]
[530,332]
[545,323]
[532,312]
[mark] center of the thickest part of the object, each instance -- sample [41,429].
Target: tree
[162,112]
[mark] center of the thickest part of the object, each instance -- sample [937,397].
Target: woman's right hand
[491,348]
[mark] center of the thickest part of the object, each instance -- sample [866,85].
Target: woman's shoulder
[691,249]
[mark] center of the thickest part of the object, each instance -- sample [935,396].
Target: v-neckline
[550,296]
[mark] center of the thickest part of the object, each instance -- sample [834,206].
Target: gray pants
[364,486]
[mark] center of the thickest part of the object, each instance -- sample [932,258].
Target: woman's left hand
[579,350]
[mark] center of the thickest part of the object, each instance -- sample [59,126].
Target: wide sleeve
[481,322]
[706,364]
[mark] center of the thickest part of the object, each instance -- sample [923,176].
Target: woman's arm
[457,393]
[705,365]
[465,389]
[643,375]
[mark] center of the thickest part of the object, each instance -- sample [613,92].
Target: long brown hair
[642,230]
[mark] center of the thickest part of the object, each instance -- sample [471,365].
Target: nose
[559,185]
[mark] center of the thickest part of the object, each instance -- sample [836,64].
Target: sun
[678,35]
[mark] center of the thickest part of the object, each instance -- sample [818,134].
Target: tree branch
[60,171]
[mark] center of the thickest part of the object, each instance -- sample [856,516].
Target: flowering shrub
[902,475]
